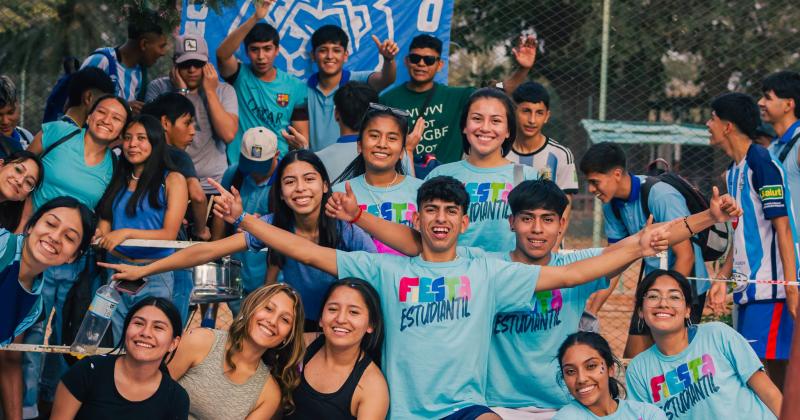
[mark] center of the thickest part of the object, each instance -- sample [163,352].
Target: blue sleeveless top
[145,218]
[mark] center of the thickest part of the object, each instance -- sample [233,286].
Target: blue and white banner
[296,20]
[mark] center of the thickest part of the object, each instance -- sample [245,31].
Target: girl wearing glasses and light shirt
[588,369]
[20,173]
[376,176]
[705,371]
[488,127]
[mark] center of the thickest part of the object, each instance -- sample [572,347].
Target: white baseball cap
[259,146]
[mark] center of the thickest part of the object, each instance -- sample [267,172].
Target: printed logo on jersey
[547,306]
[679,390]
[433,300]
[488,200]
[546,173]
[282,99]
[771,196]
[402,213]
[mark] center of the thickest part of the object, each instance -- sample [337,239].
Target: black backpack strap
[788,147]
[58,143]
[644,194]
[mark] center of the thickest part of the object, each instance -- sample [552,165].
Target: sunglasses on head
[191,63]
[383,108]
[429,60]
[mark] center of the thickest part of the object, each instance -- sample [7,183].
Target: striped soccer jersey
[759,187]
[129,81]
[552,161]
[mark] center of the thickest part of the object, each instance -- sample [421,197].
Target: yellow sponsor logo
[771,192]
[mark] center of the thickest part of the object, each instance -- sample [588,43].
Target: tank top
[212,396]
[146,218]
[312,404]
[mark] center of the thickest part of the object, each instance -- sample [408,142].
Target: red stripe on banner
[774,326]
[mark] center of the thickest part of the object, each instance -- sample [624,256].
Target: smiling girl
[588,369]
[341,376]
[695,371]
[376,175]
[20,173]
[249,371]
[488,127]
[135,384]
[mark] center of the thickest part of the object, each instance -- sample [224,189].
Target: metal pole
[601,114]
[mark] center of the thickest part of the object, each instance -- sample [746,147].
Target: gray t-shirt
[207,150]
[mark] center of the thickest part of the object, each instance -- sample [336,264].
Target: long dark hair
[88,219]
[511,116]
[372,342]
[283,216]
[11,211]
[597,342]
[359,166]
[169,310]
[152,178]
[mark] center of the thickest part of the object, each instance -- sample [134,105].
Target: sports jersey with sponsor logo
[707,380]
[553,161]
[758,184]
[488,190]
[396,203]
[438,320]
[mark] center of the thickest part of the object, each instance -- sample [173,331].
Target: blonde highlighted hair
[284,361]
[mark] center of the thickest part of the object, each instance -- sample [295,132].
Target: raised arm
[228,206]
[344,206]
[228,65]
[388,49]
[194,255]
[525,56]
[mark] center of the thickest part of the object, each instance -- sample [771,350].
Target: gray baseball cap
[190,47]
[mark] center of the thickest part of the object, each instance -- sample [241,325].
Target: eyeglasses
[28,182]
[674,299]
[383,108]
[429,60]
[191,63]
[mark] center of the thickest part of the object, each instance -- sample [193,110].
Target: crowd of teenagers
[401,247]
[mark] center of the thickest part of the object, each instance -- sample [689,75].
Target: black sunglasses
[383,108]
[429,60]
[198,64]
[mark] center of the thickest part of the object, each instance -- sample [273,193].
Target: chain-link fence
[661,62]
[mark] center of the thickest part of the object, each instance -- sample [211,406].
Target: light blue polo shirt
[255,200]
[265,104]
[665,204]
[323,128]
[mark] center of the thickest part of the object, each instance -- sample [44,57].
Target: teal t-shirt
[265,104]
[438,320]
[707,380]
[488,213]
[523,365]
[396,203]
[255,200]
[65,170]
[626,410]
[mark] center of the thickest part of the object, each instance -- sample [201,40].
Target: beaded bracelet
[686,223]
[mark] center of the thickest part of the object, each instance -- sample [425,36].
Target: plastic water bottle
[96,321]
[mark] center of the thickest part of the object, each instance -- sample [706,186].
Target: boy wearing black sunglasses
[440,105]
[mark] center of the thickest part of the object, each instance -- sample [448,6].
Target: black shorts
[638,327]
[469,413]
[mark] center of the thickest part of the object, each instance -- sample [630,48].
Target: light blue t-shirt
[488,213]
[65,169]
[265,104]
[438,320]
[523,365]
[707,380]
[310,282]
[396,203]
[665,204]
[790,164]
[339,155]
[255,200]
[626,410]
[323,128]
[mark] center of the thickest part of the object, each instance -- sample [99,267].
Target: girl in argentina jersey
[588,369]
[488,126]
[705,371]
[376,175]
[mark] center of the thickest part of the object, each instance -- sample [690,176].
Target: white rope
[746,280]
